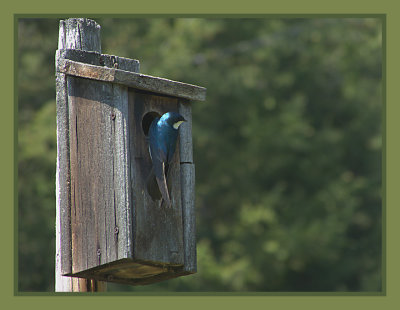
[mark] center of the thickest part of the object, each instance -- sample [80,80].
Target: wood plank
[121,175]
[63,198]
[185,132]
[98,59]
[132,79]
[133,272]
[157,229]
[187,170]
[189,215]
[100,185]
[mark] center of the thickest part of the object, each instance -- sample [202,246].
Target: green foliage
[36,187]
[287,147]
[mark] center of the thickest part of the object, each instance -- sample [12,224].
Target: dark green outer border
[380,293]
[383,192]
[17,16]
[391,153]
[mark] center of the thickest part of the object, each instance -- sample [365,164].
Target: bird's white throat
[177,124]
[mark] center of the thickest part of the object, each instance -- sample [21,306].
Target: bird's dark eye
[147,119]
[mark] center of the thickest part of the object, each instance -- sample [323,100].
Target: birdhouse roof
[115,74]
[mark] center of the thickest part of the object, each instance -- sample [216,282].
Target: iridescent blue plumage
[163,135]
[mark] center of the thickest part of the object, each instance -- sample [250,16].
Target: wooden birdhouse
[109,227]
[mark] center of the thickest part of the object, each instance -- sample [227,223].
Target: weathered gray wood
[131,79]
[133,272]
[61,36]
[122,184]
[97,59]
[100,188]
[63,232]
[82,34]
[187,171]
[63,262]
[157,229]
[187,179]
[185,132]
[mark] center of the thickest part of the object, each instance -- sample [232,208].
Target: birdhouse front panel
[157,228]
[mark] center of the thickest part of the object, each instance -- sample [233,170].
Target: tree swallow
[163,134]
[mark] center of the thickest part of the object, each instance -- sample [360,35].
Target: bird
[162,138]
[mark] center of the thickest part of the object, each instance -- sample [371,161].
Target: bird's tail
[157,187]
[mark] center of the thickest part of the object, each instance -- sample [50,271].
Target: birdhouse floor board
[133,272]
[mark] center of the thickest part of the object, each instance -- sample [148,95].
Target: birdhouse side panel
[188,187]
[100,189]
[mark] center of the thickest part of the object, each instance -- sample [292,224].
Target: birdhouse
[110,226]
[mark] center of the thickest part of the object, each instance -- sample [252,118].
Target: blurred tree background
[288,147]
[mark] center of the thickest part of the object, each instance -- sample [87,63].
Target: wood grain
[98,59]
[132,79]
[157,229]
[81,34]
[187,177]
[187,171]
[100,188]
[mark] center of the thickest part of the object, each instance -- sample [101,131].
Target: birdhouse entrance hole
[147,120]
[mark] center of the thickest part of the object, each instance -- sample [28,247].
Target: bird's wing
[159,171]
[152,186]
[159,153]
[158,158]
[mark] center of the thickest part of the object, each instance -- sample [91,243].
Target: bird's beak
[177,124]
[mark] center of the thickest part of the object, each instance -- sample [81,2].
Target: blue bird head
[173,119]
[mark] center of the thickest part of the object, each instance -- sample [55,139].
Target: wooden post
[78,34]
